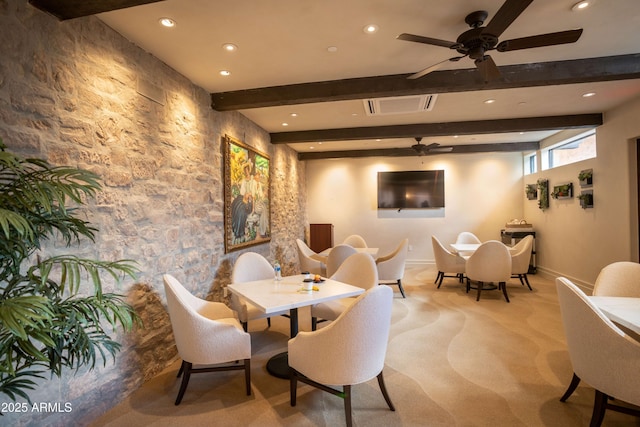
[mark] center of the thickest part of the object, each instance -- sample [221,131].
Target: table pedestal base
[278,365]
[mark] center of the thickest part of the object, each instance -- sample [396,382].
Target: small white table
[622,310]
[465,247]
[273,296]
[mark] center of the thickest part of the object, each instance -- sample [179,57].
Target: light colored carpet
[451,361]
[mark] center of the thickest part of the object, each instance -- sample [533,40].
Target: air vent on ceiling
[399,104]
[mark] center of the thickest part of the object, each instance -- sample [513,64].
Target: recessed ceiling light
[588,95]
[167,22]
[581,5]
[285,124]
[229,47]
[332,49]
[370,29]
[225,72]
[489,101]
[294,114]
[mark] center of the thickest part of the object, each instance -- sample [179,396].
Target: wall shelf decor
[564,191]
[531,190]
[586,199]
[586,178]
[543,186]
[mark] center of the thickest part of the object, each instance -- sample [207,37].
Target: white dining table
[624,311]
[273,296]
[469,248]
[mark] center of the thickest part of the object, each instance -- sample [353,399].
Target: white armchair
[391,266]
[357,270]
[251,266]
[521,258]
[620,279]
[491,262]
[447,262]
[336,257]
[467,237]
[349,351]
[356,241]
[601,354]
[206,333]
[309,260]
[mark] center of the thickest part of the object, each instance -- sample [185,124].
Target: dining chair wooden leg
[186,374]
[384,391]
[526,279]
[180,370]
[438,278]
[480,285]
[401,288]
[293,385]
[504,290]
[599,407]
[247,375]
[347,405]
[575,380]
[314,323]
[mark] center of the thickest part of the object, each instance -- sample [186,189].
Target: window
[573,150]
[530,164]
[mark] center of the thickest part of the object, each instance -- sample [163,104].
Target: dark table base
[278,365]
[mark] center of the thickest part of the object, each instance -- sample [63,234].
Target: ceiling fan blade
[550,39]
[505,16]
[433,68]
[488,68]
[441,150]
[428,40]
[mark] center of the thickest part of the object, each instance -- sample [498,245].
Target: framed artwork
[247,208]
[564,191]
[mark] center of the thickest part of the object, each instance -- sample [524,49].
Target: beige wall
[482,193]
[577,243]
[68,93]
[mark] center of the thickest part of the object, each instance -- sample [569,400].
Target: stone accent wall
[68,93]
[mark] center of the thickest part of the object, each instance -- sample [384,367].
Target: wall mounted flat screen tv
[411,189]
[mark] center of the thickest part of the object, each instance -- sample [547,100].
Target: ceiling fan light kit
[476,42]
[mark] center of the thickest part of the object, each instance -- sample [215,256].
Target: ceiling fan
[426,149]
[477,41]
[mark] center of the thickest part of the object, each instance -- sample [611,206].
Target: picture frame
[564,191]
[247,195]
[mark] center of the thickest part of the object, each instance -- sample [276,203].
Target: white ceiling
[282,42]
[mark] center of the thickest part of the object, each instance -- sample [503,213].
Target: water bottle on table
[277,270]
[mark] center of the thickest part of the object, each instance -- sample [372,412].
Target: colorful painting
[247,178]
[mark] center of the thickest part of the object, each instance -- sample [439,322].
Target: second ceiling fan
[477,41]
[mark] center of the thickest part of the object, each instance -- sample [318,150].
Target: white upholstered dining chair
[206,333]
[447,262]
[357,270]
[336,257]
[490,263]
[251,266]
[521,258]
[309,260]
[601,354]
[619,279]
[467,237]
[349,351]
[356,241]
[391,266]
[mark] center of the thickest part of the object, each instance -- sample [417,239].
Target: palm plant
[48,320]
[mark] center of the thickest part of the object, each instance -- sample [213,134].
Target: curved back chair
[356,241]
[357,270]
[206,333]
[349,351]
[336,257]
[251,266]
[447,262]
[620,279]
[491,262]
[467,237]
[391,266]
[309,260]
[602,355]
[521,258]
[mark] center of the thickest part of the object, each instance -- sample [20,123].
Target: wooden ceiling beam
[526,124]
[609,68]
[408,152]
[70,9]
